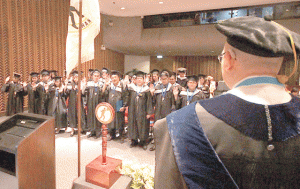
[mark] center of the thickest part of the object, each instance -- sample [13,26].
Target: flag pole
[79,86]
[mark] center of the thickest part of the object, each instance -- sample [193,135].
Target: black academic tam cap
[193,78]
[259,36]
[91,70]
[45,72]
[34,74]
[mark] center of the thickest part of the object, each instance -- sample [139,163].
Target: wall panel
[209,65]
[32,37]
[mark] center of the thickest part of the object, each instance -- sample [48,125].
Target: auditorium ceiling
[123,28]
[152,7]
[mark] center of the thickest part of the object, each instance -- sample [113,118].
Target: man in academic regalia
[72,90]
[44,84]
[35,93]
[139,111]
[163,98]
[188,96]
[93,94]
[247,138]
[116,94]
[16,93]
[181,78]
[56,105]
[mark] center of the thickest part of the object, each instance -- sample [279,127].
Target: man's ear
[229,60]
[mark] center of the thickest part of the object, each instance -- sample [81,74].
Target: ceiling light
[161,2]
[159,56]
[123,8]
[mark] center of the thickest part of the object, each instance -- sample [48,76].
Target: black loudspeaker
[27,151]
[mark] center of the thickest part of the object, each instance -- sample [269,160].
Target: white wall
[141,63]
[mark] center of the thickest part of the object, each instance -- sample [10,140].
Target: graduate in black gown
[94,96]
[181,78]
[139,111]
[71,93]
[57,104]
[188,96]
[116,94]
[35,93]
[16,93]
[44,86]
[163,98]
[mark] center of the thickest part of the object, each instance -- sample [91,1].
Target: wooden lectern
[27,151]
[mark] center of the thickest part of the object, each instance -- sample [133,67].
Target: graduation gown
[222,143]
[71,93]
[163,100]
[34,98]
[57,106]
[182,81]
[114,95]
[94,96]
[182,99]
[15,99]
[43,102]
[139,106]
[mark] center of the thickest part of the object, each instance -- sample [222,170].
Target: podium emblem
[105,113]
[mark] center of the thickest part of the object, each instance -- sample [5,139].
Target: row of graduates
[55,98]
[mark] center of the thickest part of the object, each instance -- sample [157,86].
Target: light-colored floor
[66,156]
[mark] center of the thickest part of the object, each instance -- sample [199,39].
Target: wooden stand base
[103,175]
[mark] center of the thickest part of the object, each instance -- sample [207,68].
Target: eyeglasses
[220,57]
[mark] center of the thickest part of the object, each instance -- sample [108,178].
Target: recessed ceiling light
[123,8]
[161,2]
[159,56]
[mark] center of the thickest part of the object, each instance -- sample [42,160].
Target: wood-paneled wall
[209,65]
[32,37]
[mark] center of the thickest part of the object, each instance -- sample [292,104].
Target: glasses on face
[220,57]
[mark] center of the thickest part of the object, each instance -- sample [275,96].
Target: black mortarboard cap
[140,74]
[17,75]
[75,73]
[91,70]
[181,70]
[114,72]
[193,78]
[34,74]
[96,71]
[258,36]
[44,72]
[155,71]
[164,73]
[57,78]
[105,70]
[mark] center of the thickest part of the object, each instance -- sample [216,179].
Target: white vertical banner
[90,29]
